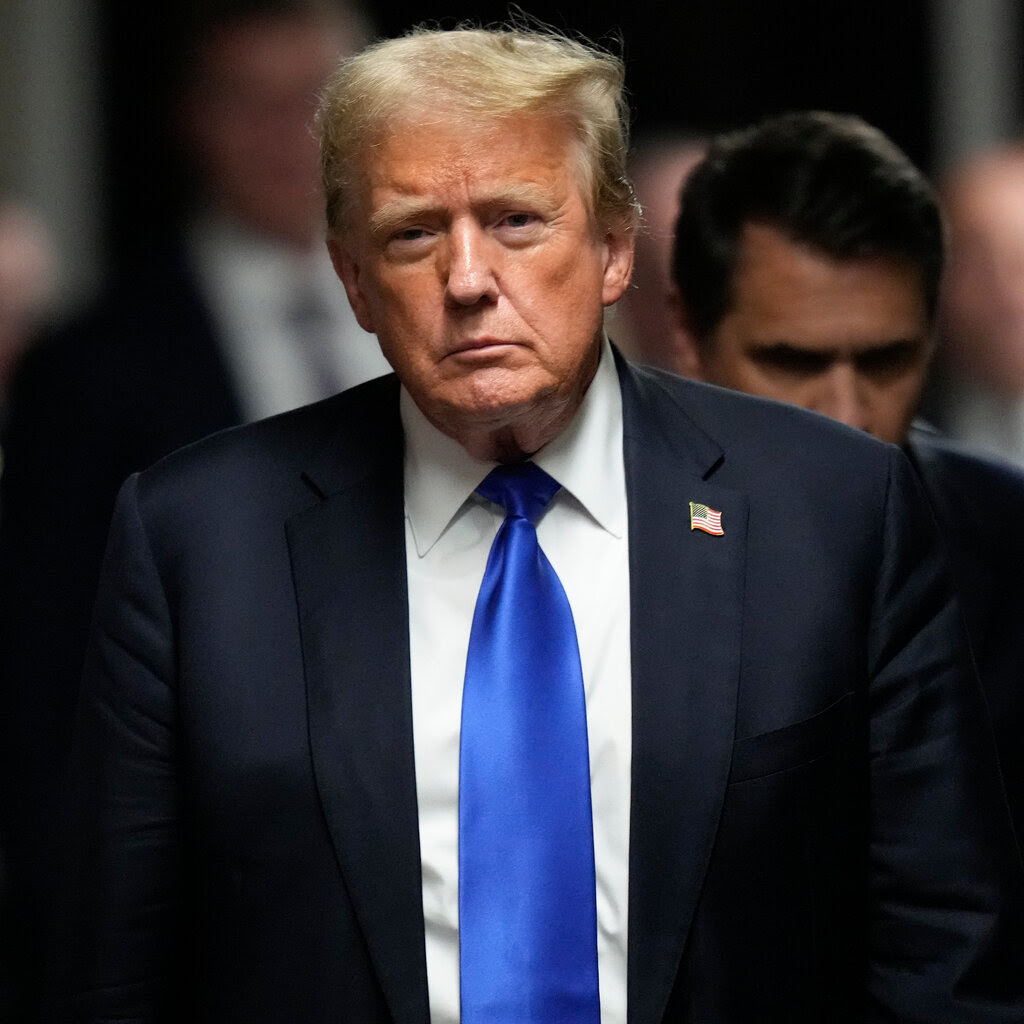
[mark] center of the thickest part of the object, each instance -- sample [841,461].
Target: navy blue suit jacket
[979,505]
[817,827]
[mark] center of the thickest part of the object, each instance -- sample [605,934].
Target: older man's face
[474,257]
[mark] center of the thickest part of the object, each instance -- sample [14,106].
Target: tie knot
[521,488]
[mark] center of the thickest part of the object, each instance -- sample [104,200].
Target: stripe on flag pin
[707,519]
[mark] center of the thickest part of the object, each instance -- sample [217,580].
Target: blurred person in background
[807,262]
[979,393]
[236,317]
[28,268]
[641,320]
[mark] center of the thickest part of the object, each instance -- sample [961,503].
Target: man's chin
[496,394]
[489,416]
[501,407]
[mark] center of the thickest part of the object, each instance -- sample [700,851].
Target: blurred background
[84,145]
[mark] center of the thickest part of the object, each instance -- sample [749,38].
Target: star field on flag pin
[707,519]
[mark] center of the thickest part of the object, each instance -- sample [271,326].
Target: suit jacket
[104,396]
[817,828]
[979,505]
[108,394]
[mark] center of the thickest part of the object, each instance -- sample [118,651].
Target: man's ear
[348,271]
[686,351]
[618,263]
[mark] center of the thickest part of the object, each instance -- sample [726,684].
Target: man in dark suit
[796,811]
[807,262]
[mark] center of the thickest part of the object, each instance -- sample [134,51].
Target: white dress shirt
[449,531]
[252,285]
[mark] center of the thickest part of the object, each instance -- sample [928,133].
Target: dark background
[692,65]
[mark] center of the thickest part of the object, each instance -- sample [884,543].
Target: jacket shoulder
[959,474]
[310,450]
[754,434]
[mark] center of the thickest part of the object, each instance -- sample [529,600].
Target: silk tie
[527,915]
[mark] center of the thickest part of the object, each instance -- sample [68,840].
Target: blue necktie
[527,917]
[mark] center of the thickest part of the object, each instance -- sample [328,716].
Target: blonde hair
[476,74]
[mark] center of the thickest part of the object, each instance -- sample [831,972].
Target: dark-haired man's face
[849,338]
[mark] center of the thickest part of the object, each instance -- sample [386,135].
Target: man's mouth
[481,346]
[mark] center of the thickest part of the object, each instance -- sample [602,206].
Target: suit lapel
[349,571]
[348,560]
[686,594]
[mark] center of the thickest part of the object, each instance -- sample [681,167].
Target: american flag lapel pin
[707,519]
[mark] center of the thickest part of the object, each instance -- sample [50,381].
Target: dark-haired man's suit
[817,827]
[979,504]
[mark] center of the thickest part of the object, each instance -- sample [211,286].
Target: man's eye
[517,220]
[889,359]
[794,361]
[410,234]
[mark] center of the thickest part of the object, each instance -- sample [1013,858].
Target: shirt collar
[586,459]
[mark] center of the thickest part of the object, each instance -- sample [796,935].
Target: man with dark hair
[807,262]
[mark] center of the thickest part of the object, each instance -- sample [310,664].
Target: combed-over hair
[478,74]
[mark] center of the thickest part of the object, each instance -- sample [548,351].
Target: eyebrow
[782,354]
[407,209]
[396,212]
[836,348]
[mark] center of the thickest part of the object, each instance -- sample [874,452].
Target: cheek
[734,370]
[890,421]
[902,392]
[403,304]
[899,403]
[809,392]
[573,279]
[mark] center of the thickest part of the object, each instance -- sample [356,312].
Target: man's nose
[843,397]
[471,267]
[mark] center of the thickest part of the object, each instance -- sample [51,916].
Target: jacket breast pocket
[794,745]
